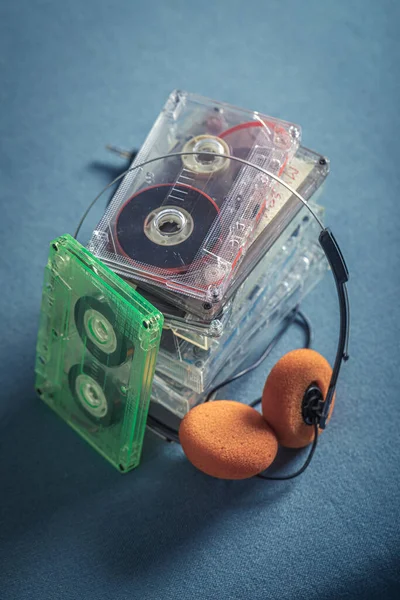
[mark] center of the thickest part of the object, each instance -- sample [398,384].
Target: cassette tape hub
[96,352]
[183,223]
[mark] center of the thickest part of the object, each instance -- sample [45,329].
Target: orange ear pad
[227,439]
[284,390]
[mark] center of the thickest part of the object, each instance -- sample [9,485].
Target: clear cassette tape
[183,221]
[96,352]
[276,285]
[306,174]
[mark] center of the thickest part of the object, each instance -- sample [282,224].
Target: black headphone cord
[303,467]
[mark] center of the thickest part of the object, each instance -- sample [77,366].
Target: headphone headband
[341,275]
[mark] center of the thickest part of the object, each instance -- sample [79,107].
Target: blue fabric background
[77,75]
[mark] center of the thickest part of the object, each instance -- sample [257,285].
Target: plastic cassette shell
[96,352]
[204,243]
[306,173]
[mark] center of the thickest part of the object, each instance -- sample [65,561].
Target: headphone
[231,440]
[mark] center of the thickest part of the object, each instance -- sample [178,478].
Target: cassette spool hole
[100,331]
[208,144]
[98,328]
[91,395]
[165,225]
[170,221]
[204,163]
[168,225]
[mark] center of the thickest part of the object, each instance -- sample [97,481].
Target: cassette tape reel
[166,234]
[96,352]
[184,221]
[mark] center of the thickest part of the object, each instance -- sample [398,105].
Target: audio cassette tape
[96,352]
[306,173]
[183,220]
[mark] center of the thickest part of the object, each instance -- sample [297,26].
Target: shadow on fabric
[47,469]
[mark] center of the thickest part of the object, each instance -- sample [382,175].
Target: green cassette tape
[96,352]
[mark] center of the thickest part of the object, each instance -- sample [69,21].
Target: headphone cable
[303,467]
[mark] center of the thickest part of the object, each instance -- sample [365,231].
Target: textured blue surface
[76,75]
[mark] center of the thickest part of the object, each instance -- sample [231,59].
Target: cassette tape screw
[212,274]
[215,294]
[150,178]
[274,165]
[294,132]
[199,352]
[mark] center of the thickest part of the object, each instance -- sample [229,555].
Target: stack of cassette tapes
[203,251]
[200,228]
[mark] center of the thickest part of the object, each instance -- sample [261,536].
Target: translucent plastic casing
[183,223]
[96,352]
